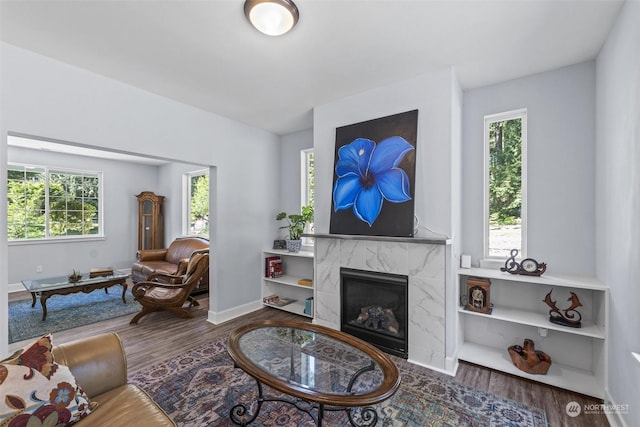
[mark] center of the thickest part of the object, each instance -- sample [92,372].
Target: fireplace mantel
[424,240]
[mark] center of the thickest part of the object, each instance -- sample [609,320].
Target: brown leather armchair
[172,260]
[168,292]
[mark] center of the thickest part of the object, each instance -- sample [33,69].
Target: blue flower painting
[374,177]
[368,174]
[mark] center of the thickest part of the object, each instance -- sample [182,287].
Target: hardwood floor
[160,336]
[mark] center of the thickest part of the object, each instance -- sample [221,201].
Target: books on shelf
[277,300]
[305,282]
[273,267]
[269,299]
[308,306]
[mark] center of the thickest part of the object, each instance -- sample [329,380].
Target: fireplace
[373,307]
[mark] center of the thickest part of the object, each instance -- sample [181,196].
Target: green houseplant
[296,224]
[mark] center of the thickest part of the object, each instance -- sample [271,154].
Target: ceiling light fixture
[271,17]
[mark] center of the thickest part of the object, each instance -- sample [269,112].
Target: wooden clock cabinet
[150,221]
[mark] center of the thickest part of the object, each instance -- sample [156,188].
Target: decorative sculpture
[566,317]
[527,267]
[528,359]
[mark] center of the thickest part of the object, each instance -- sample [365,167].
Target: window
[198,203]
[505,183]
[307,185]
[47,203]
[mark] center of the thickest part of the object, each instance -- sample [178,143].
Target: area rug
[66,312]
[199,388]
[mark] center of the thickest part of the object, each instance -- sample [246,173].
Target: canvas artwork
[374,177]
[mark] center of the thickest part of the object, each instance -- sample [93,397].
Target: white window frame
[47,170]
[304,187]
[186,201]
[508,115]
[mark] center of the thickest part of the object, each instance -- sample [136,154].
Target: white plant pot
[294,245]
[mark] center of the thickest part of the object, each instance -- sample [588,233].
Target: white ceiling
[204,53]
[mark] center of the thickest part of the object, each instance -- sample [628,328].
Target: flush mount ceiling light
[271,17]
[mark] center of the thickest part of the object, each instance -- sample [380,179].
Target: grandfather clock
[150,221]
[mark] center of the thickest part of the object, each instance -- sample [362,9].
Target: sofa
[172,260]
[100,367]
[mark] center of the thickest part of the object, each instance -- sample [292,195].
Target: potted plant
[296,224]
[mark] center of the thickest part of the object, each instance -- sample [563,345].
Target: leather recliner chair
[172,260]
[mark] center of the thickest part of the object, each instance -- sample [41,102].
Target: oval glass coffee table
[321,369]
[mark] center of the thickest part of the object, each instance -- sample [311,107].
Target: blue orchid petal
[345,191]
[368,205]
[388,153]
[354,157]
[394,185]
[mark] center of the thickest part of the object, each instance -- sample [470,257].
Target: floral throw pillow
[34,390]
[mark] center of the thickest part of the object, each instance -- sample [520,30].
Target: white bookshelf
[296,266]
[578,354]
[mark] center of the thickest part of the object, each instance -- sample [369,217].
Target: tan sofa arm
[151,254]
[98,363]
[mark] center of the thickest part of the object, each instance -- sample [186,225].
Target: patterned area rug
[66,312]
[200,387]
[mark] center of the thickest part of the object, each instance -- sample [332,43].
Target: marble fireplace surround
[422,260]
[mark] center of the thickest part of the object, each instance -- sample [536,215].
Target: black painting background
[395,219]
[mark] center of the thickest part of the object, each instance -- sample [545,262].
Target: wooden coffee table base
[87,288]
[239,414]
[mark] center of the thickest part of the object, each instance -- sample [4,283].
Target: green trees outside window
[505,172]
[506,140]
[44,203]
[199,204]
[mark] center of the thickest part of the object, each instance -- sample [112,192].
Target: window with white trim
[307,186]
[52,203]
[197,201]
[505,199]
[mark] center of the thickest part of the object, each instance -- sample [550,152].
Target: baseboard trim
[223,316]
[614,417]
[15,287]
[444,371]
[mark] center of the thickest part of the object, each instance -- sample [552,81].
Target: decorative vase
[294,245]
[528,359]
[74,277]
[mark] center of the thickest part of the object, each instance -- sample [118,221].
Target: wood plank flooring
[160,336]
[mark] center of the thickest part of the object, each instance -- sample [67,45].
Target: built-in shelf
[588,329]
[559,375]
[296,266]
[578,354]
[569,281]
[288,280]
[296,307]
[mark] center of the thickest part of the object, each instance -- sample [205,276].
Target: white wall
[618,202]
[290,164]
[433,96]
[47,98]
[121,182]
[560,180]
